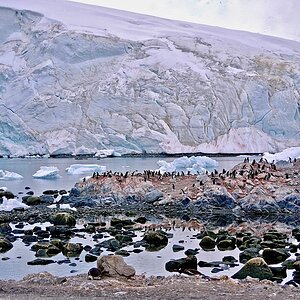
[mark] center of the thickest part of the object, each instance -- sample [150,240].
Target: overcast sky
[273,17]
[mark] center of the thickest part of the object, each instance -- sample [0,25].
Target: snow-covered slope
[76,78]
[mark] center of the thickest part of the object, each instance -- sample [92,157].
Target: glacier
[76,78]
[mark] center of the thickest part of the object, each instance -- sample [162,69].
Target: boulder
[5,228]
[72,249]
[5,245]
[32,200]
[207,243]
[182,264]
[255,268]
[64,219]
[274,256]
[114,265]
[156,240]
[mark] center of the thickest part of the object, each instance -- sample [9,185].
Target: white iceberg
[285,155]
[193,164]
[10,204]
[106,153]
[47,173]
[78,169]
[7,175]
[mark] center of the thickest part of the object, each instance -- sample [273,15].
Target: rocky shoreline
[254,207]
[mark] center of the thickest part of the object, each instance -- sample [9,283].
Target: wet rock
[255,268]
[5,228]
[50,192]
[156,240]
[7,194]
[182,264]
[72,249]
[122,252]
[177,248]
[64,219]
[141,220]
[296,265]
[40,262]
[274,256]
[248,254]
[226,244]
[28,239]
[114,265]
[90,258]
[5,245]
[207,243]
[279,272]
[32,200]
[189,252]
[47,199]
[122,223]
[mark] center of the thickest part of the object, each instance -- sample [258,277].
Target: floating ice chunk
[106,153]
[292,153]
[7,175]
[47,173]
[78,169]
[194,164]
[10,204]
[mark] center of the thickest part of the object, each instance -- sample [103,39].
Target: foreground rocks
[44,285]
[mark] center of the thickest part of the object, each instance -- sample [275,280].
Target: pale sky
[272,17]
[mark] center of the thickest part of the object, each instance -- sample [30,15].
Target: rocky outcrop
[174,88]
[114,265]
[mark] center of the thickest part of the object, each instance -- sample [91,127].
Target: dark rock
[32,200]
[28,239]
[207,243]
[156,240]
[141,220]
[177,248]
[279,272]
[7,194]
[122,223]
[90,258]
[72,249]
[64,219]
[5,228]
[248,254]
[122,252]
[41,262]
[50,192]
[182,264]
[5,245]
[274,256]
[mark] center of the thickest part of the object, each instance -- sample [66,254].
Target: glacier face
[197,89]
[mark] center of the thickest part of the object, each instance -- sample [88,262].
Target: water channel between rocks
[14,262]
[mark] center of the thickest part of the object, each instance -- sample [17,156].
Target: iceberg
[8,205]
[285,155]
[193,164]
[106,153]
[7,175]
[78,169]
[47,173]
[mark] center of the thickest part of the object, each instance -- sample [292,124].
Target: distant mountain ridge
[177,87]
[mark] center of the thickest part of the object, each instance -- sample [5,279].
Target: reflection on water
[14,262]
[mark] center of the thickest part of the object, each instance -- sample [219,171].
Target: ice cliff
[96,78]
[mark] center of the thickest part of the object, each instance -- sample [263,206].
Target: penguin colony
[177,185]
